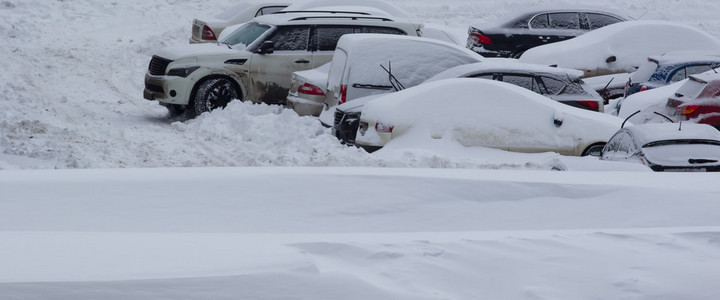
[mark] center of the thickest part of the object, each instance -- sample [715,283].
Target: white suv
[256,60]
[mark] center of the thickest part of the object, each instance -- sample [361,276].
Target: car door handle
[302,61]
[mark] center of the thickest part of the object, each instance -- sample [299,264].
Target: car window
[600,20]
[380,29]
[267,10]
[519,80]
[564,20]
[290,38]
[557,87]
[326,37]
[678,75]
[540,21]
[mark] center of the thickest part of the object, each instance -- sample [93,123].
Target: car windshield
[246,34]
[682,142]
[645,71]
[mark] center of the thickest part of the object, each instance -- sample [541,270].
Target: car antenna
[396,84]
[628,118]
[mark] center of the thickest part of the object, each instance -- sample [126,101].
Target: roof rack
[321,11]
[343,17]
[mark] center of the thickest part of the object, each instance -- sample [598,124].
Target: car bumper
[304,107]
[167,89]
[479,49]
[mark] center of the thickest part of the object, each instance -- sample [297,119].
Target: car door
[270,73]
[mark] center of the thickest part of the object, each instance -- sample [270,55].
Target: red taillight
[310,89]
[590,104]
[480,38]
[643,88]
[380,127]
[343,94]
[208,34]
[688,109]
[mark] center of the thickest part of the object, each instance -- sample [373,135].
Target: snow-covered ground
[123,220]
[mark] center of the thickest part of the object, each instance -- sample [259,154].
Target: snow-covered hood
[195,50]
[357,105]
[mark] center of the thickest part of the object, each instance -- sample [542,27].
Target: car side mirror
[611,59]
[267,47]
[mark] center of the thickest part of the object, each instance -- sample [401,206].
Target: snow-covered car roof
[313,17]
[651,132]
[377,5]
[504,65]
[413,59]
[631,43]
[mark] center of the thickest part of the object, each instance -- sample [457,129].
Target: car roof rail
[342,17]
[321,11]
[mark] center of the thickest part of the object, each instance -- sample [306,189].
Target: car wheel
[594,150]
[214,93]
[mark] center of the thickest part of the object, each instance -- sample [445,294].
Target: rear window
[690,89]
[559,87]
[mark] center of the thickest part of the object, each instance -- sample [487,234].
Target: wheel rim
[220,96]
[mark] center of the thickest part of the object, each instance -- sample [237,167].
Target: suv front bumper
[167,89]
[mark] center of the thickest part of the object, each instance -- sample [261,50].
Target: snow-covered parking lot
[102,196]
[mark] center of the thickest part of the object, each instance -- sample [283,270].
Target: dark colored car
[667,147]
[669,68]
[512,36]
[697,100]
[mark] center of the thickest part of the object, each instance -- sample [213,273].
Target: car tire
[212,94]
[594,150]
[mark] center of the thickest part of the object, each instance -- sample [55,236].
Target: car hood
[195,50]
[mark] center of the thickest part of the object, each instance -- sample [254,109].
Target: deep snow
[120,221]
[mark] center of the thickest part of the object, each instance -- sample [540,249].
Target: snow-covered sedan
[697,100]
[667,146]
[484,113]
[621,47]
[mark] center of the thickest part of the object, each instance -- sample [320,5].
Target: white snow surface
[254,202]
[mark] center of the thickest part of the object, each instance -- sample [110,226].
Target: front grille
[158,65]
[346,126]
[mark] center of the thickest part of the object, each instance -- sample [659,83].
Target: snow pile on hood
[631,42]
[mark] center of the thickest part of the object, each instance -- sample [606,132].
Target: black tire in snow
[212,94]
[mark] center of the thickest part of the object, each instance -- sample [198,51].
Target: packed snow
[104,196]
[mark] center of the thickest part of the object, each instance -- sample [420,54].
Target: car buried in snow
[484,113]
[621,47]
[669,147]
[697,100]
[670,67]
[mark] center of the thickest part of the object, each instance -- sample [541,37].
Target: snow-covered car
[484,113]
[697,100]
[255,61]
[379,7]
[670,67]
[621,47]
[367,65]
[667,146]
[208,30]
[512,35]
[560,84]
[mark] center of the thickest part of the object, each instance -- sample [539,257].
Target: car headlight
[182,72]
